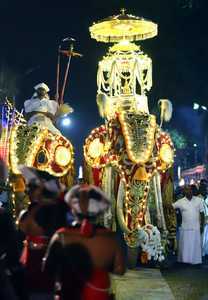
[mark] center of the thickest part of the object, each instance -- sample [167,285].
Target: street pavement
[187,282]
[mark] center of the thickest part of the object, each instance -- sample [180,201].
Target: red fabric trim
[86,228]
[96,176]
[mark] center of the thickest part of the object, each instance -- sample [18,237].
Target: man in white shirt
[191,207]
[40,109]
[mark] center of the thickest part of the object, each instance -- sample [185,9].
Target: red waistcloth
[97,287]
[39,241]
[32,255]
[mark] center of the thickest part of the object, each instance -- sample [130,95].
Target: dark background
[30,32]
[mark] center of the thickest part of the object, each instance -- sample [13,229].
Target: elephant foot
[132,257]
[132,249]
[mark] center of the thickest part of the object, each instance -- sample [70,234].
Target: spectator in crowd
[81,256]
[191,208]
[11,272]
[43,217]
[46,213]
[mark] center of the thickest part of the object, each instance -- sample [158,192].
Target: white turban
[43,86]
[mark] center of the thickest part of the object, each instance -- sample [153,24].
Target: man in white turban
[40,109]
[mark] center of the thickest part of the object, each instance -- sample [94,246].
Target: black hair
[48,194]
[45,175]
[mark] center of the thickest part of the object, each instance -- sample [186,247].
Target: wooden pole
[58,74]
[61,101]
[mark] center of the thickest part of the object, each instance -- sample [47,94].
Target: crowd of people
[58,248]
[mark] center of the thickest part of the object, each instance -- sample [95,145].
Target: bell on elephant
[141,174]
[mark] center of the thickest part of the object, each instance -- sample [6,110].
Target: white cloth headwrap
[42,85]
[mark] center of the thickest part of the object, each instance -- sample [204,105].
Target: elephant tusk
[120,208]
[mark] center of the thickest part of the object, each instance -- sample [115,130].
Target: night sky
[30,32]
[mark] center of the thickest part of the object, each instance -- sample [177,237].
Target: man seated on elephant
[40,109]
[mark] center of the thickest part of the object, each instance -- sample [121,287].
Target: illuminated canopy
[123,27]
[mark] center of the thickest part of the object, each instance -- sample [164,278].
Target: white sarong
[189,250]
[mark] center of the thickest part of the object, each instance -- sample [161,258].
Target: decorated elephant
[34,146]
[33,139]
[128,154]
[36,142]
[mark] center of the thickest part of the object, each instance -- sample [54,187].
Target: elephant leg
[132,252]
[131,209]
[132,257]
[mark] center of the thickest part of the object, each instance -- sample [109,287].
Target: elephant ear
[102,104]
[166,110]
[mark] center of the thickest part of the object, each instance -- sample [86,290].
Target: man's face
[188,192]
[41,92]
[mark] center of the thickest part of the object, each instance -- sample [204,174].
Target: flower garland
[150,242]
